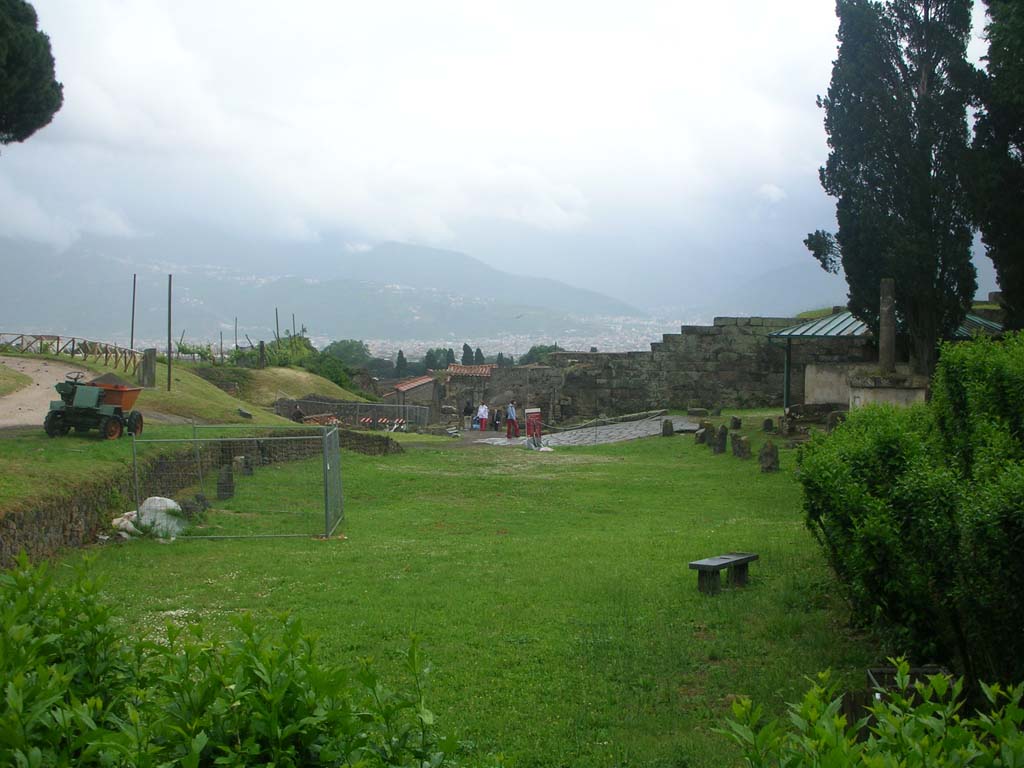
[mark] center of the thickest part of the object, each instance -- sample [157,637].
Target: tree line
[912,179]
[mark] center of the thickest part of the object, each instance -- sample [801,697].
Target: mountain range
[390,291]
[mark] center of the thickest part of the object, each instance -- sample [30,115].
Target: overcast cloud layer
[633,148]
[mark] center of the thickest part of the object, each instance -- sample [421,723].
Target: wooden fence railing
[127,360]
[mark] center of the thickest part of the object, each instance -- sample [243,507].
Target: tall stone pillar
[147,369]
[887,326]
[262,361]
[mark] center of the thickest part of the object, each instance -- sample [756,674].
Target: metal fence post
[195,451]
[327,495]
[135,476]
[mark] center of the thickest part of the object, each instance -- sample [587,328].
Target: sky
[636,149]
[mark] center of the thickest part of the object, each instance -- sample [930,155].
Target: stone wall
[731,363]
[539,385]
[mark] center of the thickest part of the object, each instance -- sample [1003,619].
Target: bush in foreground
[77,691]
[916,725]
[920,512]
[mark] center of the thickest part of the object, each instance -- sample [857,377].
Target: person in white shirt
[482,413]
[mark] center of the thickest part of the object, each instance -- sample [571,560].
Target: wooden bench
[709,571]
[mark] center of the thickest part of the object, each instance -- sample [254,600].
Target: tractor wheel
[110,427]
[135,423]
[54,424]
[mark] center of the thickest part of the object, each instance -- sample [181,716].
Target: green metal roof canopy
[845,324]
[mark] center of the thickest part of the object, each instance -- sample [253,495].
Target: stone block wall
[731,363]
[539,385]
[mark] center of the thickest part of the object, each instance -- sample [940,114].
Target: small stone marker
[768,426]
[667,430]
[700,436]
[721,440]
[716,411]
[835,418]
[769,457]
[741,446]
[225,483]
[696,411]
[735,422]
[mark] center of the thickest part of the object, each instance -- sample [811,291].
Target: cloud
[22,217]
[771,193]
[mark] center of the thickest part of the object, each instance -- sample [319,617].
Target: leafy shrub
[992,573]
[79,692]
[916,725]
[920,512]
[978,400]
[885,514]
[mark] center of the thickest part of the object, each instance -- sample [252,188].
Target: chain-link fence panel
[242,481]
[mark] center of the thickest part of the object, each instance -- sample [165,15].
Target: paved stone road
[609,433]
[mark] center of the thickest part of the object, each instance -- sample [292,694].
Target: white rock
[124,525]
[158,504]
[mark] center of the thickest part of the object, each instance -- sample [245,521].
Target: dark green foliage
[992,542]
[978,398]
[381,367]
[919,724]
[895,115]
[401,365]
[996,171]
[478,357]
[77,691]
[29,92]
[297,351]
[435,359]
[449,357]
[538,353]
[467,354]
[920,512]
[352,353]
[884,509]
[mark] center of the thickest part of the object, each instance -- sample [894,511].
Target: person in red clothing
[483,413]
[511,420]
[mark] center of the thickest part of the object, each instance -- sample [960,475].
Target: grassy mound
[12,381]
[263,387]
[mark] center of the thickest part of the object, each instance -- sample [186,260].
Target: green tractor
[104,404]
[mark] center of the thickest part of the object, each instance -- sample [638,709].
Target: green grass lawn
[12,381]
[550,591]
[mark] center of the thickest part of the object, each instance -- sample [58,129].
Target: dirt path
[28,406]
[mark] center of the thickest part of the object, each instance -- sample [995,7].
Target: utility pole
[170,352]
[236,334]
[131,343]
[222,346]
[277,327]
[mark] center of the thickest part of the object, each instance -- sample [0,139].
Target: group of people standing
[485,416]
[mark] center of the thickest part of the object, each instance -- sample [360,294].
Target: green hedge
[920,724]
[78,691]
[920,512]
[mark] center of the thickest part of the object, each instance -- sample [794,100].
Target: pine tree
[896,119]
[478,357]
[401,366]
[467,354]
[997,170]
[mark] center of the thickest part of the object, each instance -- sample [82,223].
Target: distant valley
[392,295]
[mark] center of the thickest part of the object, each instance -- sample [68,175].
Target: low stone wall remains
[44,526]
